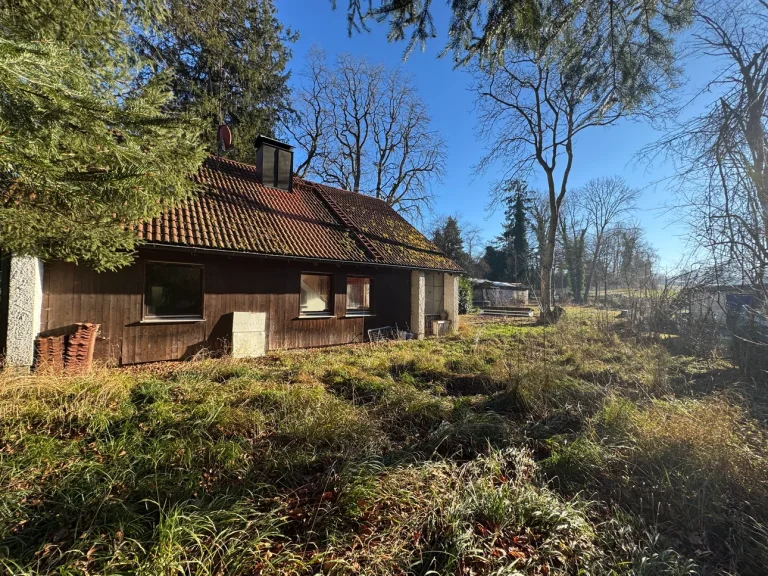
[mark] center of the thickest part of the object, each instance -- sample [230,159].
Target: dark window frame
[145,317]
[370,311]
[331,312]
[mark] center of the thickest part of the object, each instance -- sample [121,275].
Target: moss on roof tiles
[231,210]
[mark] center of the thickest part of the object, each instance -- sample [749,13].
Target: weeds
[509,449]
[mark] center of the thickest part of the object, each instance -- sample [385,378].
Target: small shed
[492,293]
[721,303]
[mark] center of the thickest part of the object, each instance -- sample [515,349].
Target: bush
[465,296]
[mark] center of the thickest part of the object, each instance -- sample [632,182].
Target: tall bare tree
[539,214]
[721,154]
[604,202]
[573,235]
[364,128]
[722,161]
[547,88]
[473,237]
[636,258]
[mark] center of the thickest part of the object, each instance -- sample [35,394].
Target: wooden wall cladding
[74,294]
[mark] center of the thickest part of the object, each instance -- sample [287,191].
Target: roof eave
[185,248]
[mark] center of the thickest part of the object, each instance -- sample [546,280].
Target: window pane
[359,294]
[173,290]
[315,293]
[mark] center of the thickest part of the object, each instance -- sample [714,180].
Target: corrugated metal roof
[495,284]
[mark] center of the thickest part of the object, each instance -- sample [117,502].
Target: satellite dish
[225,137]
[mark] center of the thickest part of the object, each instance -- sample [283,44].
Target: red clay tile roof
[231,210]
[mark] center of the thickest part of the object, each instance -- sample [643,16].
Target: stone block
[249,322]
[249,344]
[249,334]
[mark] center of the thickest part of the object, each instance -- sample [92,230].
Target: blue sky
[601,152]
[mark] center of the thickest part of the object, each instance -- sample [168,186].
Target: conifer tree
[228,61]
[448,239]
[495,260]
[85,149]
[514,237]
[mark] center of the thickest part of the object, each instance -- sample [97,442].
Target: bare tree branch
[364,128]
[543,91]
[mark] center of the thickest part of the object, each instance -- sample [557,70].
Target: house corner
[418,303]
[25,300]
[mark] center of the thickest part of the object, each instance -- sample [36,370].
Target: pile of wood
[71,354]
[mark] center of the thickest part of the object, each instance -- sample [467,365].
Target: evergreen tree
[514,238]
[228,61]
[85,151]
[448,239]
[496,262]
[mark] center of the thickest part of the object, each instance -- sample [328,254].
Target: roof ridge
[301,179]
[337,189]
[216,158]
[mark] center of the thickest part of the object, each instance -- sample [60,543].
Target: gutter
[204,250]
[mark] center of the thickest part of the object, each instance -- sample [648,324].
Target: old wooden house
[256,260]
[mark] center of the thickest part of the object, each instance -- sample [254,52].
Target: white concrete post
[418,303]
[25,302]
[451,299]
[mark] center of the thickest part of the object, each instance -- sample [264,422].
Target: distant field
[510,448]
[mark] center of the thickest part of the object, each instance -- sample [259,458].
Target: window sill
[171,320]
[314,316]
[359,315]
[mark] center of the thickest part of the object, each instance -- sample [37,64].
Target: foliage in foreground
[506,450]
[86,148]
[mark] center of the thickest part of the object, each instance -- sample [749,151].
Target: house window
[316,295]
[358,295]
[173,291]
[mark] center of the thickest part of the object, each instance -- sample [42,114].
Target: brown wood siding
[74,294]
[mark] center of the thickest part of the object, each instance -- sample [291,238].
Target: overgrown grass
[507,449]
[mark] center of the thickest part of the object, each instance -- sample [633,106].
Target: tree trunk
[597,286]
[547,266]
[546,285]
[592,268]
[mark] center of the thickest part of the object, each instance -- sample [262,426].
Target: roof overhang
[285,257]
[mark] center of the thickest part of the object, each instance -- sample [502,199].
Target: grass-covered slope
[504,450]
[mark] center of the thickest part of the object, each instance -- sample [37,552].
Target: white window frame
[329,313]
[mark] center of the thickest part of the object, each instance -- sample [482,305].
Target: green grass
[506,449]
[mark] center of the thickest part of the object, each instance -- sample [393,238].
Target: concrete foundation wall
[25,299]
[418,303]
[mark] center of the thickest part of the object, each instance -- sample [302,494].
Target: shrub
[465,295]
